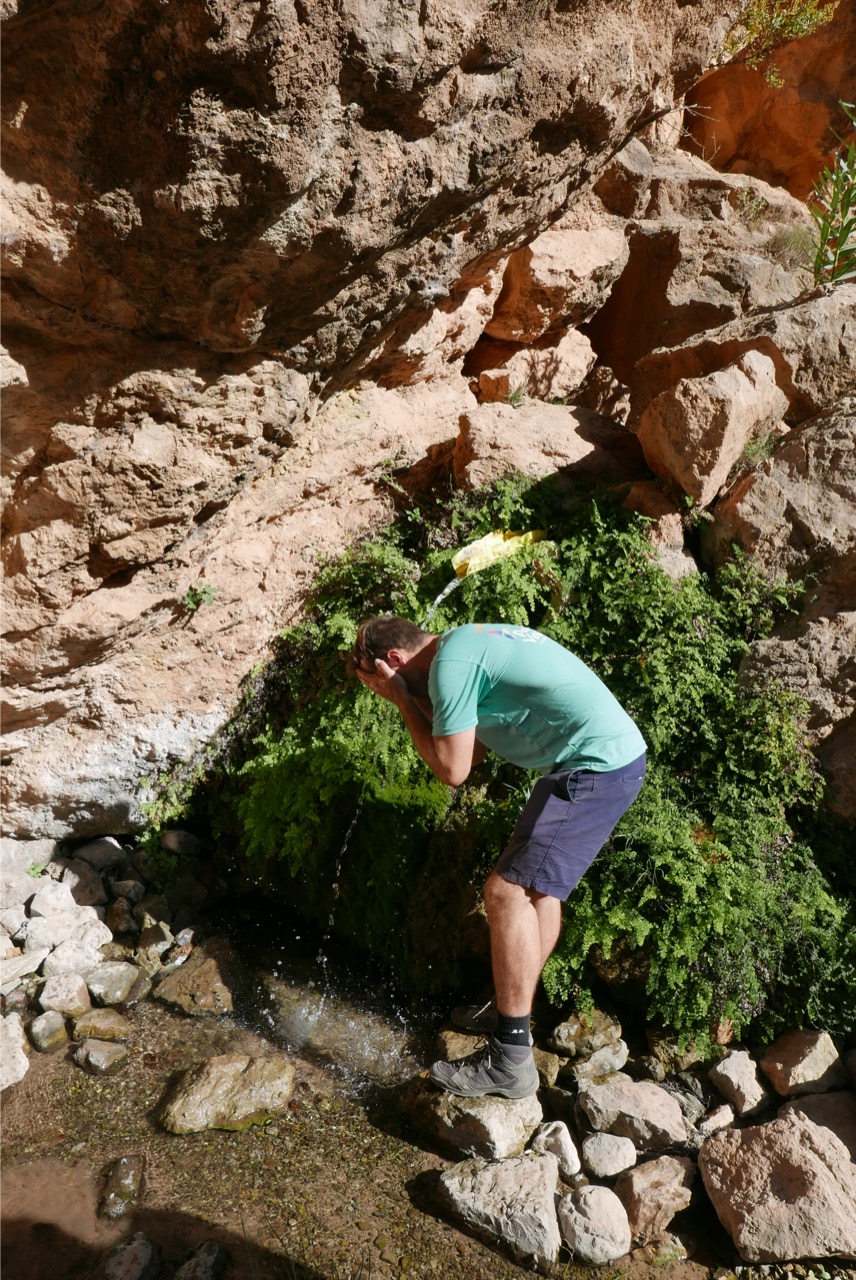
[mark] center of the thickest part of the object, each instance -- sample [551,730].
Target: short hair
[377,636]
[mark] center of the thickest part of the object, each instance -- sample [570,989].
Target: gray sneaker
[493,1071]
[479,1019]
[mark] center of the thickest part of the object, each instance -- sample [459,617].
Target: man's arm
[449,758]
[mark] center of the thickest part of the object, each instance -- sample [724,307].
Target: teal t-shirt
[529,699]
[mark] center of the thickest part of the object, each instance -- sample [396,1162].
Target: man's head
[385,637]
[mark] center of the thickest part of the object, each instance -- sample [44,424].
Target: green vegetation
[198,594]
[833,208]
[793,247]
[763,26]
[710,897]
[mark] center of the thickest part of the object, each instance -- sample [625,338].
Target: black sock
[513,1030]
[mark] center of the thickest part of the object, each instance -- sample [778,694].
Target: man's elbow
[452,775]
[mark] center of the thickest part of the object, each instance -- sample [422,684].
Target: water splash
[321,957]
[447,590]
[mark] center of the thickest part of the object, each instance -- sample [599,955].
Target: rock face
[783,1190]
[307,200]
[740,123]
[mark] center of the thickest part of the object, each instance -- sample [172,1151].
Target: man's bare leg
[524,927]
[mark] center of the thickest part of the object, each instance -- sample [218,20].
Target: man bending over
[512,690]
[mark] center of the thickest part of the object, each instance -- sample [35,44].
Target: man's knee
[499,893]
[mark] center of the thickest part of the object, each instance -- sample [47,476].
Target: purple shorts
[567,820]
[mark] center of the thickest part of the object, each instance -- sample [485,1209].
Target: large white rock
[66,993]
[14,1062]
[803,1062]
[514,1199]
[783,1190]
[16,967]
[693,433]
[833,1111]
[638,1110]
[73,956]
[594,1225]
[494,1128]
[653,1193]
[53,898]
[229,1091]
[736,1077]
[555,1139]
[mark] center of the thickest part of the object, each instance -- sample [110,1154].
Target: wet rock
[47,1031]
[452,1044]
[783,1190]
[142,987]
[207,1262]
[139,1259]
[693,433]
[554,1138]
[513,1199]
[603,1062]
[582,1034]
[155,939]
[605,1155]
[120,918]
[102,854]
[86,885]
[833,1111]
[102,1024]
[653,1193]
[123,1186]
[643,1112]
[202,985]
[594,1225]
[100,1057]
[736,1077]
[14,1048]
[112,982]
[230,1091]
[494,1128]
[803,1062]
[547,1065]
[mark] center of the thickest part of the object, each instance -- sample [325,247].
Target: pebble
[123,1186]
[139,1259]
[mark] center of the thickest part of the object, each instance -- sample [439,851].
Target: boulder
[513,1199]
[833,1111]
[494,1128]
[100,1057]
[694,433]
[138,1259]
[715,1120]
[653,1193]
[67,993]
[605,1155]
[549,369]
[47,1032]
[638,1110]
[783,1190]
[86,885]
[230,1091]
[53,899]
[14,1062]
[594,1225]
[102,1024]
[561,278]
[542,440]
[555,1139]
[102,854]
[736,1077]
[803,1062]
[603,1062]
[73,956]
[112,982]
[203,985]
[14,968]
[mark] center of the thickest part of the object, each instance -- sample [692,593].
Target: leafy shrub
[709,884]
[763,26]
[833,208]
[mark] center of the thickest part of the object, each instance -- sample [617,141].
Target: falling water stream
[447,591]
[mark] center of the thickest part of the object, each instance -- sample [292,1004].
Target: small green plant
[750,206]
[833,208]
[757,449]
[517,396]
[36,869]
[198,594]
[763,26]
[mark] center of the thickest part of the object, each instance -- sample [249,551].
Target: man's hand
[384,681]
